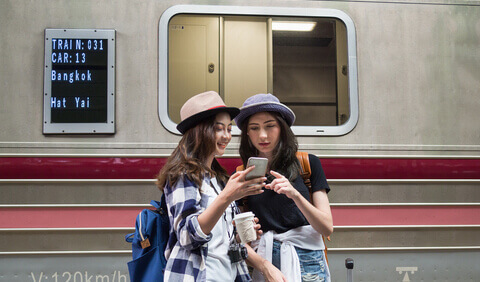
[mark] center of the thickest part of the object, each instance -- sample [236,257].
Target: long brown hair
[190,157]
[284,155]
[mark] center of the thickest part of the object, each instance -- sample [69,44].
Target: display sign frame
[79,81]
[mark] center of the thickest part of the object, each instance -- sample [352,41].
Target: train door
[193,59]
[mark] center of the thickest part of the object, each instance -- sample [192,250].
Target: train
[386,94]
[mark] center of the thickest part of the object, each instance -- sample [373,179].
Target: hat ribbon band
[221,106]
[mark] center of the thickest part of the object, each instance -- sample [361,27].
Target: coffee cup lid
[243,215]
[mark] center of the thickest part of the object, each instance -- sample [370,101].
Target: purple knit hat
[264,103]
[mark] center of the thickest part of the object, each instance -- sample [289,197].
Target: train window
[306,57]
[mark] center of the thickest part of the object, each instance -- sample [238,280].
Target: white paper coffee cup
[245,226]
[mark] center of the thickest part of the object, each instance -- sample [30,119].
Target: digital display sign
[79,81]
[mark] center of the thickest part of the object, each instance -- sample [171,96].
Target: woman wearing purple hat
[292,225]
[201,198]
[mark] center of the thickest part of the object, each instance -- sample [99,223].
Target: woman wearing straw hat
[292,225]
[201,198]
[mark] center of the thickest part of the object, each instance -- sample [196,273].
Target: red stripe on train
[94,217]
[406,215]
[147,168]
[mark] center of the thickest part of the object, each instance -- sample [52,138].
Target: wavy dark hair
[284,155]
[190,156]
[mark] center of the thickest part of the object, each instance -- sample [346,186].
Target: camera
[237,252]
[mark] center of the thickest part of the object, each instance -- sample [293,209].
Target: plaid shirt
[187,246]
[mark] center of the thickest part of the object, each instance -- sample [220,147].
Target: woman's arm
[184,205]
[210,216]
[318,215]
[269,271]
[236,188]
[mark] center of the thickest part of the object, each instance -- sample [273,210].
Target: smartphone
[260,167]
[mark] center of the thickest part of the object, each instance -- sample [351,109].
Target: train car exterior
[403,158]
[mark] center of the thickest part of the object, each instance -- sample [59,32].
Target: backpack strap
[155,204]
[160,207]
[306,173]
[306,170]
[242,202]
[240,168]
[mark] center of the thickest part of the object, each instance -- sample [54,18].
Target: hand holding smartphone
[260,167]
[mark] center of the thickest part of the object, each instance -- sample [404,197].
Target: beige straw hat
[200,107]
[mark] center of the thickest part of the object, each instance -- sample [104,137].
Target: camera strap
[234,210]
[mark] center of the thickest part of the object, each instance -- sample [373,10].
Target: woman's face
[223,132]
[264,133]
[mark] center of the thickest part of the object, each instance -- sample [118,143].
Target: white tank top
[219,267]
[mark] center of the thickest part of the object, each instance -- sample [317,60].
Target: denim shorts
[312,263]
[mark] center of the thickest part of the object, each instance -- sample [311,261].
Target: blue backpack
[148,243]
